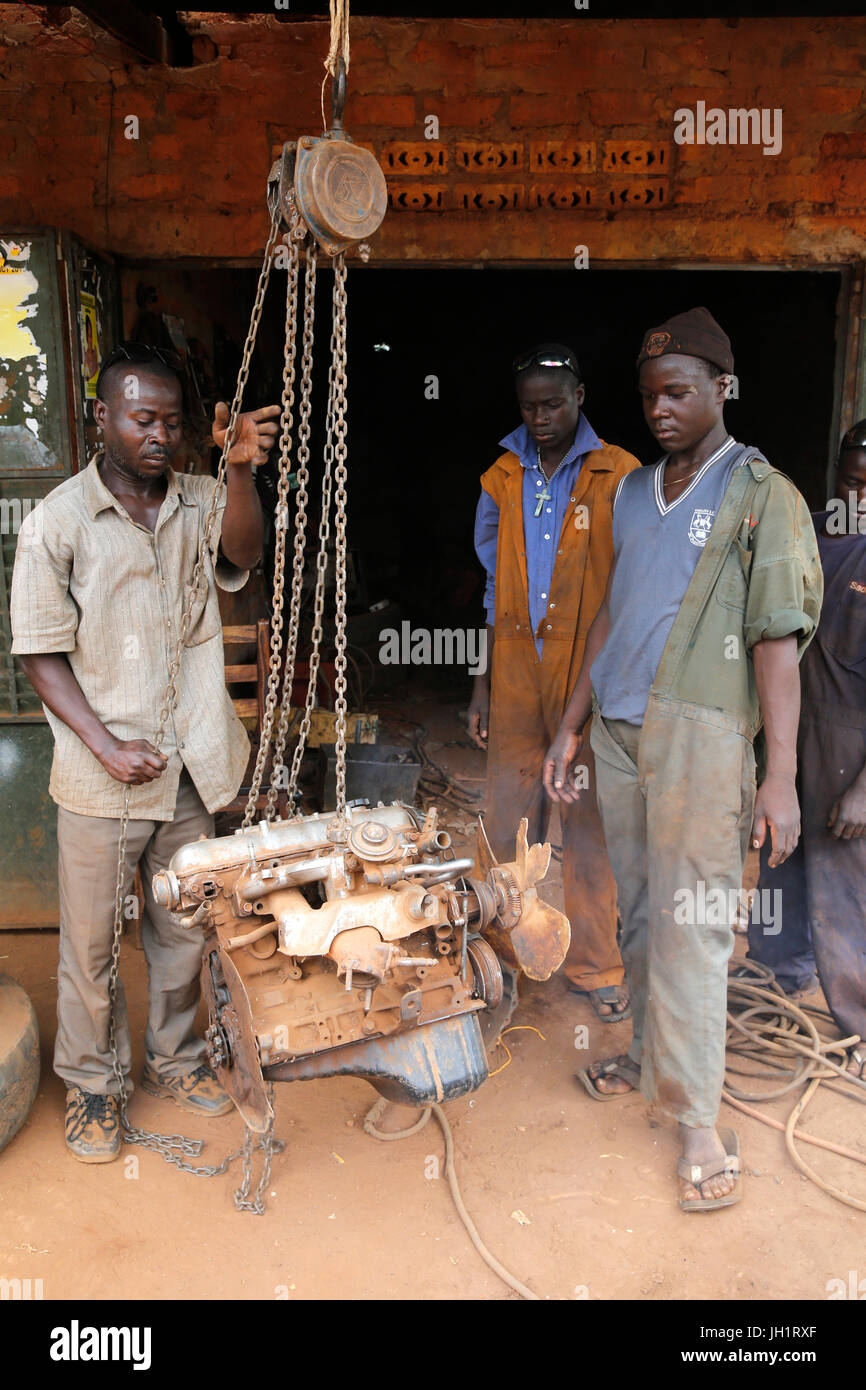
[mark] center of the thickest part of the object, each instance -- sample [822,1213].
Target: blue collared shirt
[540,533]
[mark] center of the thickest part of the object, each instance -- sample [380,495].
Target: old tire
[19,1058]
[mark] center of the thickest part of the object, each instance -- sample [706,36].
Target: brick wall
[552,134]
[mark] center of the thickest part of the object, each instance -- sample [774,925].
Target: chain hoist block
[352,945]
[333,187]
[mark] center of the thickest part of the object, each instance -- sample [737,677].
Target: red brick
[848,145]
[524,54]
[157,148]
[843,188]
[463,114]
[193,183]
[802,106]
[664,67]
[444,55]
[151,185]
[366,49]
[546,112]
[625,108]
[380,109]
[191,103]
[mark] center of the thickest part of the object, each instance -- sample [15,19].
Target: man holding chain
[102,574]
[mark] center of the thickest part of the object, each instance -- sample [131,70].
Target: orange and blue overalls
[534,671]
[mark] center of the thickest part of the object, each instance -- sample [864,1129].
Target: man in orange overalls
[543,534]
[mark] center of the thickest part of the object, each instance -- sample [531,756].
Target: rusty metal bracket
[338,100]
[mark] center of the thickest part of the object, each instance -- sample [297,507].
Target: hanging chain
[282,526]
[321,577]
[171,1147]
[270,1146]
[340,477]
[300,537]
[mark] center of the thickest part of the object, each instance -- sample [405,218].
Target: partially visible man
[102,572]
[716,587]
[543,534]
[822,887]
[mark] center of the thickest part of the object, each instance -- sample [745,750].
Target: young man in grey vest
[714,593]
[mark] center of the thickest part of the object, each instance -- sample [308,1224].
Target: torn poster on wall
[91,349]
[23,363]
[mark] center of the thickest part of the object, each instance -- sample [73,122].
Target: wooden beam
[143,33]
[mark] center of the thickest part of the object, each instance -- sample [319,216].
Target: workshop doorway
[430,389]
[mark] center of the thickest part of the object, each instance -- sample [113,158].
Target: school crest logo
[700,525]
[656,343]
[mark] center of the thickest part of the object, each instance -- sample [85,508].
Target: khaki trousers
[87,863]
[676,799]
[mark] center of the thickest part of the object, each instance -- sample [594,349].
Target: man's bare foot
[704,1147]
[610,1002]
[610,1084]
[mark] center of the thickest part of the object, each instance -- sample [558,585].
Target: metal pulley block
[337,189]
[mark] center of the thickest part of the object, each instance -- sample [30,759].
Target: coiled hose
[790,1042]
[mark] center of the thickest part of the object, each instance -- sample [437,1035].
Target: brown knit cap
[693,334]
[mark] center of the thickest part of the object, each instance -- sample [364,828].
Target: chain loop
[340,477]
[171,1147]
[300,537]
[321,577]
[282,526]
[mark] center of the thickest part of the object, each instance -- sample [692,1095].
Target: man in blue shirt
[543,535]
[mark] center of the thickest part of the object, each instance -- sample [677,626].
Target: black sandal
[605,994]
[622,1066]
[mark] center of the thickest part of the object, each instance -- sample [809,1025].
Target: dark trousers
[823,884]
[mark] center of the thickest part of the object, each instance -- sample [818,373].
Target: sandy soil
[576,1198]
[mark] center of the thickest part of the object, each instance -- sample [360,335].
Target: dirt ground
[576,1198]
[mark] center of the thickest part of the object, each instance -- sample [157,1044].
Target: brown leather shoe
[92,1126]
[197,1090]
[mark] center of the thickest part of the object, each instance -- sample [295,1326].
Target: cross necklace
[544,495]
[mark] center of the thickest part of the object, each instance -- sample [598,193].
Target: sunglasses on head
[141,353]
[543,359]
[855,438]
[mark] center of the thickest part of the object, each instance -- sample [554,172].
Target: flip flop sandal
[622,1067]
[606,994]
[697,1173]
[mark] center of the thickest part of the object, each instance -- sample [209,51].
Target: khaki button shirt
[759,578]
[91,582]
